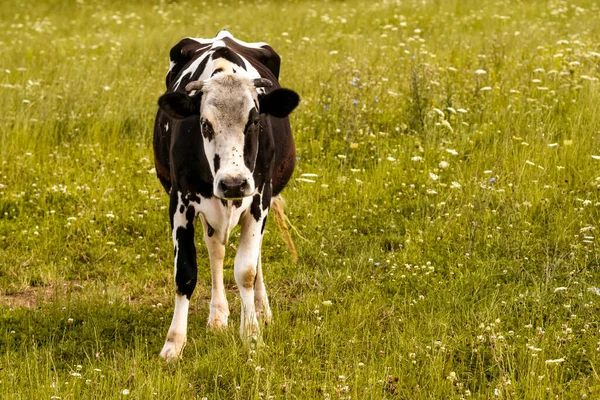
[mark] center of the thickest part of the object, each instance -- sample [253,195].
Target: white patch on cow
[171,65]
[167,127]
[222,218]
[227,34]
[176,337]
[218,43]
[252,72]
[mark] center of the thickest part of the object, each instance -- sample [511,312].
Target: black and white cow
[223,149]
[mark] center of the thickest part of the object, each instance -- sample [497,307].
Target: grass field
[448,244]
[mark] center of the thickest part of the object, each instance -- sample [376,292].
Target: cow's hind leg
[219,308]
[261,300]
[186,272]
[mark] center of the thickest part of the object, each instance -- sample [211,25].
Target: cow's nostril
[234,187]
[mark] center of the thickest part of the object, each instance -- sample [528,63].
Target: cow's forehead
[228,98]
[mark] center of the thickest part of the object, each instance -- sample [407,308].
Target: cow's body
[225,186]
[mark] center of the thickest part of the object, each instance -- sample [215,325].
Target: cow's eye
[255,122]
[204,125]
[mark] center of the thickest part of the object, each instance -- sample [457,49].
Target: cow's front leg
[219,308]
[245,269]
[186,272]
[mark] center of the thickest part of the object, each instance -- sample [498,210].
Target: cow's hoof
[267,316]
[217,320]
[263,312]
[173,348]
[217,323]
[251,331]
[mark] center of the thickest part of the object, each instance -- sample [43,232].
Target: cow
[223,151]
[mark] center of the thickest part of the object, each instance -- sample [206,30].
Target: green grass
[452,226]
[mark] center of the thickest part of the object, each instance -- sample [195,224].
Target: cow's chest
[222,216]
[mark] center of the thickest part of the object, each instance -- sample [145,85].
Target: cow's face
[229,122]
[229,106]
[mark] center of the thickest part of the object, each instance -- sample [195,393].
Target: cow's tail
[277,206]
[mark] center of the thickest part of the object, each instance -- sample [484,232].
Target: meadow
[445,204]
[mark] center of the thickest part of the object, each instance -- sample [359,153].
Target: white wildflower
[439,112]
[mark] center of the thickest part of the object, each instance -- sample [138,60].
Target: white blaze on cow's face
[229,122]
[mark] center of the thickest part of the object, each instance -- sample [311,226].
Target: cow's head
[229,106]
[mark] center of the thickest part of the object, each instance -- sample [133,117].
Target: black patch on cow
[279,103]
[251,140]
[182,209]
[216,71]
[217,163]
[187,269]
[262,229]
[224,202]
[196,75]
[185,200]
[195,198]
[207,130]
[237,203]
[255,207]
[266,196]
[179,105]
[190,170]
[210,230]
[226,53]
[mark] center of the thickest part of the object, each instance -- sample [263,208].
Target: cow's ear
[279,103]
[179,105]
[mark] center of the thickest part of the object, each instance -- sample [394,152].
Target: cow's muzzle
[233,187]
